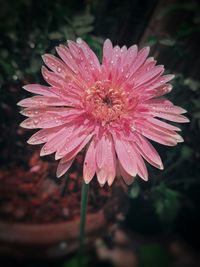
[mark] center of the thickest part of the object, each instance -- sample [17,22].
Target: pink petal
[141,167]
[48,120]
[90,55]
[41,101]
[63,167]
[74,151]
[163,124]
[31,112]
[107,52]
[53,79]
[65,55]
[149,153]
[140,59]
[156,136]
[56,65]
[110,162]
[101,176]
[128,179]
[39,89]
[149,75]
[160,81]
[89,167]
[43,136]
[107,171]
[54,143]
[125,156]
[100,151]
[73,140]
[160,91]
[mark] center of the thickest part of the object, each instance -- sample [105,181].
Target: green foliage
[153,255]
[166,202]
[75,262]
[135,190]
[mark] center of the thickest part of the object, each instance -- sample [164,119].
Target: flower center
[105,102]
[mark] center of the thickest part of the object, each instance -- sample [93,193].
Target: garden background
[153,223]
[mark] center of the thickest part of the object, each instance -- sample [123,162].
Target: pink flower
[112,109]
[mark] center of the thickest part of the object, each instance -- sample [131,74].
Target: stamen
[105,102]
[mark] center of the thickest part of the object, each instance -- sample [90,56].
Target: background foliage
[169,202]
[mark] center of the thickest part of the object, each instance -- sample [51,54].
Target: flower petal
[63,167]
[125,156]
[89,166]
[128,179]
[39,89]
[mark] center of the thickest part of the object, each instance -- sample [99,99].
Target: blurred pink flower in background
[111,108]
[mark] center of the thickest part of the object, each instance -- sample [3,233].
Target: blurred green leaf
[75,262]
[153,255]
[166,202]
[55,35]
[152,40]
[167,42]
[192,84]
[135,190]
[186,152]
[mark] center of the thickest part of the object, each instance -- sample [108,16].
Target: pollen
[105,102]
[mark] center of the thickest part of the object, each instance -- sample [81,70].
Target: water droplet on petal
[35,122]
[59,69]
[79,40]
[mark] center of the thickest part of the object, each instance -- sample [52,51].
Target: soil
[32,193]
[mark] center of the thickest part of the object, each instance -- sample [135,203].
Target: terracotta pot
[47,240]
[56,240]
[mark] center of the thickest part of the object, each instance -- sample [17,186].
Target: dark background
[162,221]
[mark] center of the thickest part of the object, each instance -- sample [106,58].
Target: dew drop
[166,107]
[35,122]
[33,140]
[36,112]
[133,128]
[79,40]
[59,69]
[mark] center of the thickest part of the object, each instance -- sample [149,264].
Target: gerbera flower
[112,109]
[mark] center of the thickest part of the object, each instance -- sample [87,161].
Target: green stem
[84,197]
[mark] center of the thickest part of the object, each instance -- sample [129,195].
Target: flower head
[112,109]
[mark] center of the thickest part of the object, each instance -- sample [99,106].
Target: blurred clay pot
[56,240]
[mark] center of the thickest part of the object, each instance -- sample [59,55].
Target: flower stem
[84,197]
